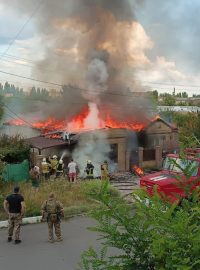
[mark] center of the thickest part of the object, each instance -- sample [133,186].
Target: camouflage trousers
[14,225]
[54,225]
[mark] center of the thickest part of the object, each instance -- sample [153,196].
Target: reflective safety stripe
[158,178]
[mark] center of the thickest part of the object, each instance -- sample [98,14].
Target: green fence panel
[16,172]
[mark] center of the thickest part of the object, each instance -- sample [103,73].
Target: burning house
[123,147]
[98,45]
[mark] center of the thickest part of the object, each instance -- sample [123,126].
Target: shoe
[51,241]
[18,241]
[59,239]
[9,238]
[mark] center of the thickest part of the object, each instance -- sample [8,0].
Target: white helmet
[60,161]
[54,157]
[89,161]
[44,159]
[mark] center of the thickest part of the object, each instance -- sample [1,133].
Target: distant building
[194,109]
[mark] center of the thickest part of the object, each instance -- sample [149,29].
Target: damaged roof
[41,142]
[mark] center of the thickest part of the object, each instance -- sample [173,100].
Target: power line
[22,28]
[17,58]
[60,85]
[28,78]
[31,125]
[170,84]
[22,64]
[75,88]
[147,82]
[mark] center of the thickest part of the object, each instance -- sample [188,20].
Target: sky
[164,44]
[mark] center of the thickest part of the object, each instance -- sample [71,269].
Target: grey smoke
[92,146]
[78,58]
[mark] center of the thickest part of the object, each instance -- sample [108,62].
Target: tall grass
[73,196]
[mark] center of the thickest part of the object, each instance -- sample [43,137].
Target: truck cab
[166,181]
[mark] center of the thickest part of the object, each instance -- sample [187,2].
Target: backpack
[52,210]
[51,206]
[33,174]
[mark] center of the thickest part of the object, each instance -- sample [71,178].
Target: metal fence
[16,172]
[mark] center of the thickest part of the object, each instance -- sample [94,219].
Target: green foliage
[90,188]
[188,125]
[75,198]
[169,100]
[1,107]
[13,149]
[152,236]
[2,164]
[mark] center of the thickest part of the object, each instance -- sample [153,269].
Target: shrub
[153,236]
[13,149]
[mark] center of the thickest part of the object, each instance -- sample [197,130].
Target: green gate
[16,172]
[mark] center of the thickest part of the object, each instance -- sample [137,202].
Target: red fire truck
[170,182]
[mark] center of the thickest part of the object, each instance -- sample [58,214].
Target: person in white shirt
[72,167]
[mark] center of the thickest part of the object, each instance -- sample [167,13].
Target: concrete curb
[28,220]
[35,220]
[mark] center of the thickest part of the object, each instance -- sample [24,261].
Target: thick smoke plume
[92,146]
[96,45]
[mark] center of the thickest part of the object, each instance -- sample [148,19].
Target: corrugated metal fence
[16,172]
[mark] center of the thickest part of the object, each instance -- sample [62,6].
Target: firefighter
[54,164]
[104,171]
[45,169]
[60,168]
[89,170]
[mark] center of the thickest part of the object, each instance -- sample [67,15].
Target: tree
[189,126]
[7,87]
[1,107]
[169,100]
[184,95]
[13,149]
[33,92]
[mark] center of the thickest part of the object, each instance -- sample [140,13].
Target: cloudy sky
[164,43]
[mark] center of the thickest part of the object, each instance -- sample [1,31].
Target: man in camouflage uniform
[104,171]
[15,207]
[53,210]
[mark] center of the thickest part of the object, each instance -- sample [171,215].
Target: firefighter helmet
[55,157]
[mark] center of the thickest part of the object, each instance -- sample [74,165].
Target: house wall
[160,137]
[160,134]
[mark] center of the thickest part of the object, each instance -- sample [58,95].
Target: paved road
[35,253]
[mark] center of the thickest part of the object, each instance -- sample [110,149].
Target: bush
[154,236]
[13,149]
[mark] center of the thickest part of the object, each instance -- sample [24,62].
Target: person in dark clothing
[60,169]
[14,206]
[89,170]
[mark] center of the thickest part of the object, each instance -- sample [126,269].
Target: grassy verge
[74,197]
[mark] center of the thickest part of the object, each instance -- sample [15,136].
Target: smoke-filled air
[95,45]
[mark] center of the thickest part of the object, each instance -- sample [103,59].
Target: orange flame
[76,124]
[17,122]
[138,170]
